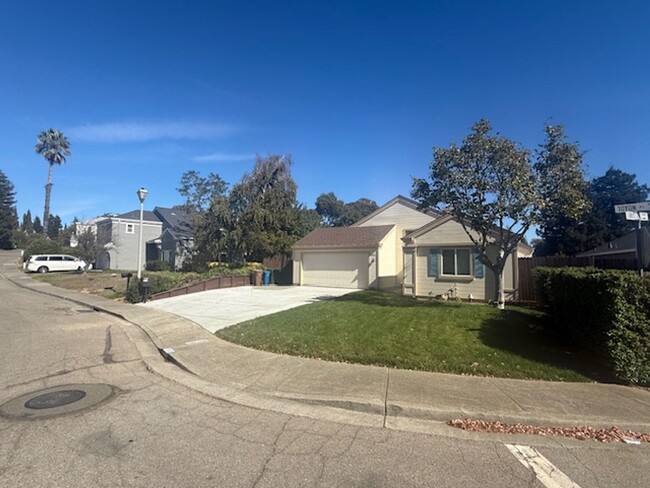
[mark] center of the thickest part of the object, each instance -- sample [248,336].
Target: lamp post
[142,194]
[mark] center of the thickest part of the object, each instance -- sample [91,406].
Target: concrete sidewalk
[365,395]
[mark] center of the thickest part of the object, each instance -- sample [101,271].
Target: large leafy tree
[8,215]
[259,218]
[613,188]
[55,148]
[336,213]
[213,237]
[330,208]
[263,206]
[88,247]
[563,191]
[199,191]
[600,224]
[490,186]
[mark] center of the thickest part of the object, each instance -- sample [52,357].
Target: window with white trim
[456,262]
[130,228]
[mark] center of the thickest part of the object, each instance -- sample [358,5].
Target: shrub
[604,311]
[41,245]
[157,265]
[161,281]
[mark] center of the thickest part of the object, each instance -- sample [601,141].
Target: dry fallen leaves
[610,434]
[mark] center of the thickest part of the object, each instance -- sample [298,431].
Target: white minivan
[44,263]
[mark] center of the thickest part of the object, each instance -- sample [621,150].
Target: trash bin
[257,278]
[267,277]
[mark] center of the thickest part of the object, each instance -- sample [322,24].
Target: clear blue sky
[357,92]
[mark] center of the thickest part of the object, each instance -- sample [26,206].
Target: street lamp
[142,194]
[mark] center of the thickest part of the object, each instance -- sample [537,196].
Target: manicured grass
[371,327]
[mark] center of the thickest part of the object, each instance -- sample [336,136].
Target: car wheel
[80,269]
[43,269]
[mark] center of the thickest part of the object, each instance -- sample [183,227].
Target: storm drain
[59,400]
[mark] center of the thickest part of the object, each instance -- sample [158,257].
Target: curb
[387,413]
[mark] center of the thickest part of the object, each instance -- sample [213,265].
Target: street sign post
[637,212]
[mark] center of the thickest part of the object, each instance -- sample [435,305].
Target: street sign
[642,216]
[632,207]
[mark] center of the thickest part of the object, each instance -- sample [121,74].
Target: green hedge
[605,311]
[157,266]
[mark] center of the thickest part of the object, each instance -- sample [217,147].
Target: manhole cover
[58,400]
[55,399]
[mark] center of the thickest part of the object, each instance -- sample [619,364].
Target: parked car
[44,263]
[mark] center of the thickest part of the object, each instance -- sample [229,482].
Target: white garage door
[335,269]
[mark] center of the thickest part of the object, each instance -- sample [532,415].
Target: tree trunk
[46,209]
[501,301]
[499,292]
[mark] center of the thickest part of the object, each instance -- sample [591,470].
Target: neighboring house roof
[625,244]
[344,237]
[178,222]
[135,215]
[398,199]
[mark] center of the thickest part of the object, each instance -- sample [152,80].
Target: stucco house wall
[448,234]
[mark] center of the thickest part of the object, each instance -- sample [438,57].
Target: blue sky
[357,92]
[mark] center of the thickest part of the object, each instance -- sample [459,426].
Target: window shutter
[479,267]
[433,263]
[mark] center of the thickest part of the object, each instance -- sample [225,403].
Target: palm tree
[54,147]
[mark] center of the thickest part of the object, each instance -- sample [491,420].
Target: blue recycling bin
[267,277]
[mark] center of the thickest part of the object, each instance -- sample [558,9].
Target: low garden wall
[211,284]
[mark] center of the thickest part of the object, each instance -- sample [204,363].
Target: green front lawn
[371,327]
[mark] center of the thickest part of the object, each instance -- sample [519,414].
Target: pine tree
[8,215]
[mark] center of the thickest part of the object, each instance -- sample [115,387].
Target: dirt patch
[105,284]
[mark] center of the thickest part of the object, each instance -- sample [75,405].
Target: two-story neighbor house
[176,242]
[423,253]
[120,234]
[166,236]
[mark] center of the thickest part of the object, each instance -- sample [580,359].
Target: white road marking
[546,472]
[198,341]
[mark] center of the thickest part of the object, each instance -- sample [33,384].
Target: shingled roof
[344,237]
[147,216]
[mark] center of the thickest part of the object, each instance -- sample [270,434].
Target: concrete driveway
[218,309]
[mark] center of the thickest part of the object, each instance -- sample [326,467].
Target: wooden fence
[211,284]
[526,291]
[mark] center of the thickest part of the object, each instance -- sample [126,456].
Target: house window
[130,228]
[456,262]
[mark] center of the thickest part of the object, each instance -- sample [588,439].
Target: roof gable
[178,221]
[344,237]
[400,211]
[450,218]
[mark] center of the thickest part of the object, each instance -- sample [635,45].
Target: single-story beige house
[398,246]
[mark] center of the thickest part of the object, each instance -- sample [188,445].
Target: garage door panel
[337,270]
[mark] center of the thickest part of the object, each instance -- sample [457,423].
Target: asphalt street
[158,431]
